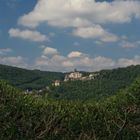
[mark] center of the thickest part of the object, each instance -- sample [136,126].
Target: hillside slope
[30,117]
[22,78]
[106,84]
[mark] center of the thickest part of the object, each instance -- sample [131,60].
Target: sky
[61,35]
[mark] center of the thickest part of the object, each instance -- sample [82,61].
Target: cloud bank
[80,12]
[27,35]
[86,17]
[75,59]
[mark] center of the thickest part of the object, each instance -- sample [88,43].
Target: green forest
[28,79]
[107,83]
[29,117]
[106,108]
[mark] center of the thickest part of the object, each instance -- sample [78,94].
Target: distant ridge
[107,83]
[23,78]
[37,79]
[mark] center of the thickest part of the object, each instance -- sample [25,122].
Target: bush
[26,117]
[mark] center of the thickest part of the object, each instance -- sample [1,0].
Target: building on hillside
[56,83]
[93,76]
[73,76]
[85,78]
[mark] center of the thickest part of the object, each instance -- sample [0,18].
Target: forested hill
[107,83]
[29,117]
[22,78]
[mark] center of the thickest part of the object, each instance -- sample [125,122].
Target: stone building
[73,76]
[56,83]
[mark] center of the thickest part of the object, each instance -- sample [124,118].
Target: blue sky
[60,35]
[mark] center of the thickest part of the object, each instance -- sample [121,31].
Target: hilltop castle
[73,76]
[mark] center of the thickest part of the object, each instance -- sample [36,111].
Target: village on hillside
[73,76]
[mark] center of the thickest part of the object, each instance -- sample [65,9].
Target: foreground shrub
[29,117]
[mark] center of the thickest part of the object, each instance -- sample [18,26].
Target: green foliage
[26,117]
[33,79]
[108,83]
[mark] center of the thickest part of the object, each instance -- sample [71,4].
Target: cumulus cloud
[127,62]
[28,35]
[50,51]
[51,59]
[81,61]
[128,44]
[4,51]
[86,16]
[95,32]
[17,61]
[80,12]
[74,54]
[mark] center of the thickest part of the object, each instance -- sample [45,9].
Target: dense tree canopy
[22,78]
[107,83]
[32,117]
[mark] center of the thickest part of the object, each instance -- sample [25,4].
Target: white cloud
[74,54]
[67,64]
[17,61]
[95,32]
[77,13]
[127,62]
[27,34]
[127,44]
[85,16]
[51,59]
[59,62]
[81,61]
[50,51]
[4,51]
